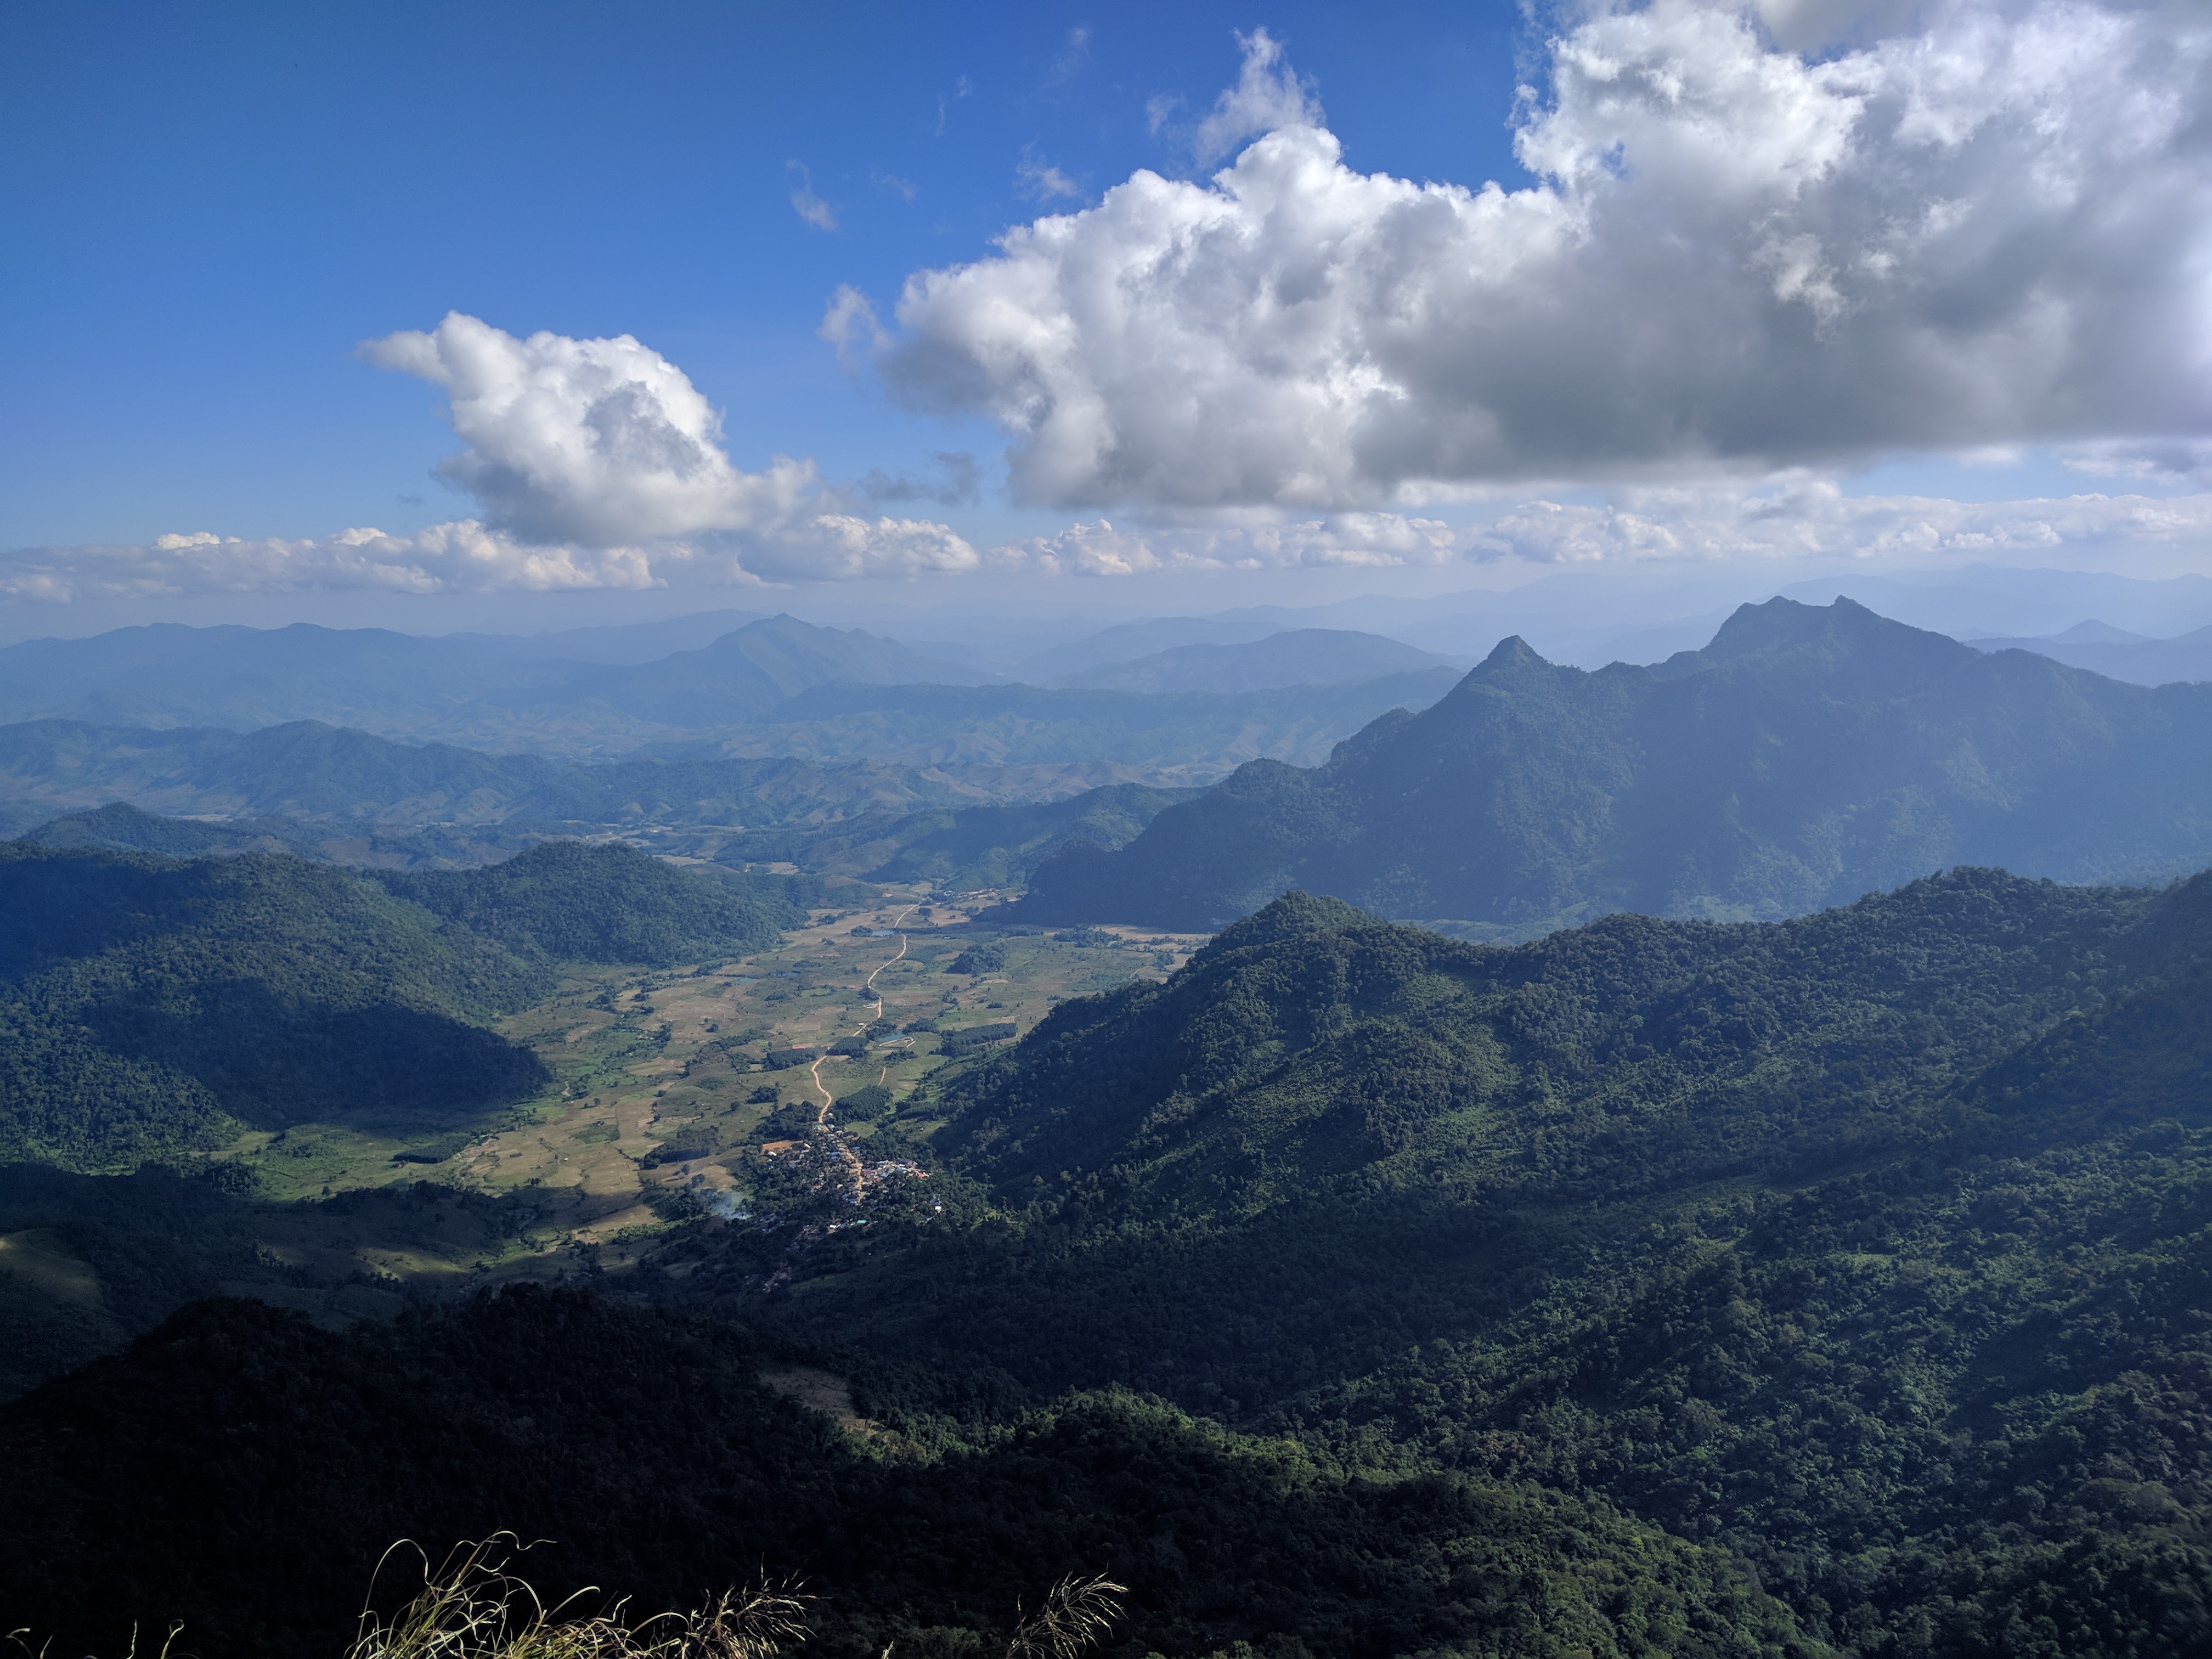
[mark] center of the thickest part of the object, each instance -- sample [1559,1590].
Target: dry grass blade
[14,1638]
[1076,1612]
[753,1626]
[471,1607]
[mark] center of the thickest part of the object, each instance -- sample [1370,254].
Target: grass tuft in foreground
[473,1608]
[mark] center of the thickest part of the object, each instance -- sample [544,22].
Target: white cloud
[605,444]
[1267,96]
[961,89]
[596,441]
[1073,54]
[1361,540]
[467,557]
[1798,519]
[463,556]
[1996,229]
[2175,461]
[1813,519]
[805,203]
[598,465]
[851,325]
[1040,182]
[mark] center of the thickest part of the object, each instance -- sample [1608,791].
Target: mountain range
[325,793]
[1299,656]
[2120,655]
[773,686]
[483,688]
[1804,756]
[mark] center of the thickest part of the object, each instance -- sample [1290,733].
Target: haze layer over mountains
[1804,757]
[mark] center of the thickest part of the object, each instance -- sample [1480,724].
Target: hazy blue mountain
[1172,738]
[1805,757]
[746,675]
[2097,632]
[169,675]
[470,688]
[1126,641]
[620,642]
[324,774]
[1301,656]
[322,793]
[2120,655]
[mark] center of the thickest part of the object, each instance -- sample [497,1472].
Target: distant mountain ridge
[776,687]
[481,688]
[323,793]
[1300,656]
[1807,756]
[2119,655]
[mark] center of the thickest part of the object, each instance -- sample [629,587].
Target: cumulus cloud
[1988,224]
[604,446]
[598,465]
[1267,96]
[596,441]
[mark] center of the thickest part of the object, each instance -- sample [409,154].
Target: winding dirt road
[867,986]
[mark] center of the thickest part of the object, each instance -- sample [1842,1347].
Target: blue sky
[1785,280]
[211,206]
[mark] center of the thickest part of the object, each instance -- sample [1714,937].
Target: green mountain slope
[241,1470]
[1872,1245]
[150,1007]
[1805,757]
[562,901]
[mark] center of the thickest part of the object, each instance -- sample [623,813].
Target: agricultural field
[736,1093]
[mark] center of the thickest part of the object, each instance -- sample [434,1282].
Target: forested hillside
[153,1007]
[1346,1288]
[1805,756]
[1873,1245]
[250,1469]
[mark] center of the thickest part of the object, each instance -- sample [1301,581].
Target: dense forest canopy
[242,1468]
[1871,1245]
